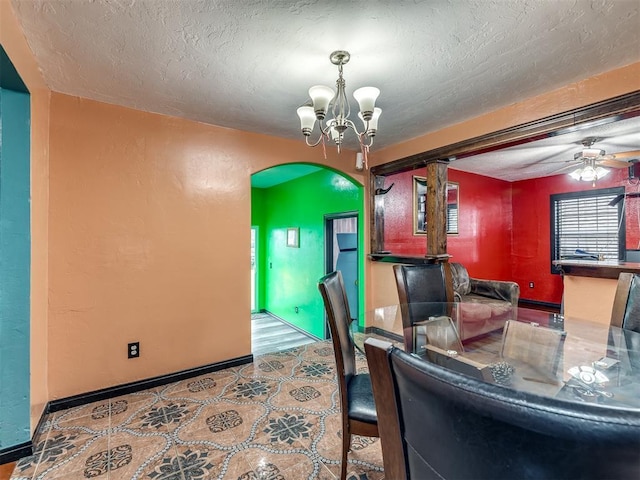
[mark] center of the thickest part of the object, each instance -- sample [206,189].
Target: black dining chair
[439,424]
[626,304]
[421,291]
[356,396]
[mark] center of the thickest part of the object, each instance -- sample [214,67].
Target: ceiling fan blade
[621,155]
[612,163]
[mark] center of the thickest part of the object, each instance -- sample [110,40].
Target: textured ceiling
[553,155]
[248,64]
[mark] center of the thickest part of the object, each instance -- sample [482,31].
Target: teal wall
[291,274]
[15,251]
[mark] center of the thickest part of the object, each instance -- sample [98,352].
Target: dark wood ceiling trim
[617,108]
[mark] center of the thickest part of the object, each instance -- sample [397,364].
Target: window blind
[452,218]
[587,223]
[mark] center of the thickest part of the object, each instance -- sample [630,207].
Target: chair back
[538,347]
[336,305]
[439,332]
[438,424]
[626,304]
[418,286]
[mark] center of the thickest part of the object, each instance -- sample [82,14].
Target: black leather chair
[356,396]
[418,285]
[438,424]
[626,305]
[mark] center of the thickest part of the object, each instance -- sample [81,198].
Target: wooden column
[437,207]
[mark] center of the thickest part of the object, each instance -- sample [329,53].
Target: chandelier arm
[353,127]
[315,144]
[368,145]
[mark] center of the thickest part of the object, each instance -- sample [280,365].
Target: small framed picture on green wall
[293,237]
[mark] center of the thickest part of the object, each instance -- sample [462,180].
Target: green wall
[291,274]
[258,216]
[15,261]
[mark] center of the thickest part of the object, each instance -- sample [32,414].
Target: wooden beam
[437,208]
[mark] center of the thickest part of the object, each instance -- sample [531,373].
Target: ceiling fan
[591,162]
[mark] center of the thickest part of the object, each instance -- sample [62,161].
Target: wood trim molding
[613,109]
[124,389]
[15,452]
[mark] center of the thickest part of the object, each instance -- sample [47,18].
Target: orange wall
[14,44]
[150,241]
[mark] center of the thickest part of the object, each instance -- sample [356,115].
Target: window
[585,226]
[452,218]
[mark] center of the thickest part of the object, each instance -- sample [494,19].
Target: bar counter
[590,286]
[598,269]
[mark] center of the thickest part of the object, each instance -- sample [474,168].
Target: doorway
[254,270]
[341,253]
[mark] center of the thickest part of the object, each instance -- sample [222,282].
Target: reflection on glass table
[526,350]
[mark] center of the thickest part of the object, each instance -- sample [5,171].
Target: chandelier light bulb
[321,97]
[335,135]
[366,98]
[307,119]
[372,125]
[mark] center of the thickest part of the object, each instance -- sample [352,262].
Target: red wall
[531,250]
[504,228]
[483,243]
[398,219]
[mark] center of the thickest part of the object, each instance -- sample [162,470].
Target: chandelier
[589,171]
[334,128]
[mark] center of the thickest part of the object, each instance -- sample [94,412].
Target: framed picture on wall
[293,237]
[420,206]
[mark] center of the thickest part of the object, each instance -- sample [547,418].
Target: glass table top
[517,348]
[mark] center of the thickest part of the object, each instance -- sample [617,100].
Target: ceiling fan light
[321,97]
[576,174]
[601,172]
[588,174]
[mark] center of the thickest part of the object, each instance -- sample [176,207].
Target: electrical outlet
[530,284]
[297,310]
[133,350]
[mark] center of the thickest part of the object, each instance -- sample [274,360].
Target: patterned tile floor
[276,418]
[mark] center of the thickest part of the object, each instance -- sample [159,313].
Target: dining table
[521,349]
